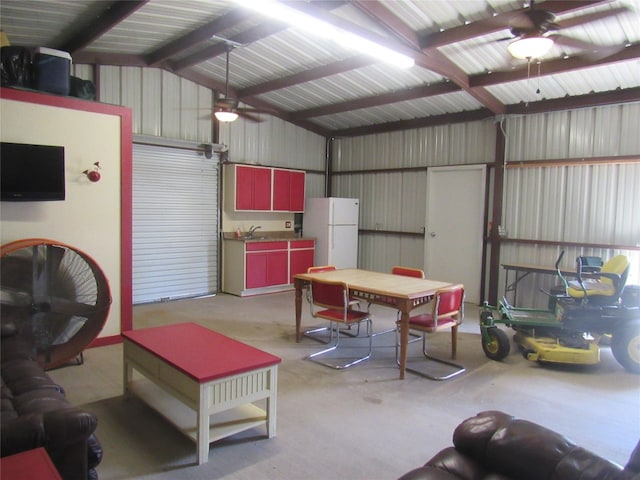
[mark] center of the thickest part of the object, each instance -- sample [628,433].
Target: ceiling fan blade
[256,110]
[588,50]
[248,116]
[591,17]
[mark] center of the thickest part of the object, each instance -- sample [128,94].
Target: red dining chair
[313,332]
[330,300]
[447,314]
[407,271]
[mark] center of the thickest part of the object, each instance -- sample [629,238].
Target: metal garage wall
[594,204]
[393,194]
[175,223]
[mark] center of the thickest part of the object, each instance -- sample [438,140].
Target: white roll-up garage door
[175,223]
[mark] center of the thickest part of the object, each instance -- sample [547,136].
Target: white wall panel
[151,120]
[396,200]
[171,105]
[163,104]
[594,204]
[587,132]
[273,142]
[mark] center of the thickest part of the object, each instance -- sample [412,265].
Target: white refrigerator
[333,222]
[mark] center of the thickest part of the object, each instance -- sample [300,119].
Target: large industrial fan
[56,297]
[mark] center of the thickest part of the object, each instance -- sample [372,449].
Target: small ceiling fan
[535,30]
[226,108]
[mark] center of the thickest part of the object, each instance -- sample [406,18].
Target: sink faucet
[252,230]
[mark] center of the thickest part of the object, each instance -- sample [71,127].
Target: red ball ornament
[93,176]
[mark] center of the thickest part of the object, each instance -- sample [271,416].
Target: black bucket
[631,296]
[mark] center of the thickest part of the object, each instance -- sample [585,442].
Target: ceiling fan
[226,108]
[535,30]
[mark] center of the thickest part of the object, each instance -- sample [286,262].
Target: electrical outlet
[287,224]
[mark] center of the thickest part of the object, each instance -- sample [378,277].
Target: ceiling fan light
[526,47]
[226,116]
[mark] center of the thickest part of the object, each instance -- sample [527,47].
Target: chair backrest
[321,268]
[328,294]
[618,265]
[449,302]
[407,271]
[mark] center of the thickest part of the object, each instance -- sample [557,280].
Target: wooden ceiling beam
[114,13]
[448,118]
[199,35]
[248,36]
[613,97]
[430,59]
[377,100]
[381,15]
[316,73]
[553,67]
[498,23]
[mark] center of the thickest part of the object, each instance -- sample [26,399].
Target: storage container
[51,70]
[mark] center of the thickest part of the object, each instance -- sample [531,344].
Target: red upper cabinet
[253,188]
[288,190]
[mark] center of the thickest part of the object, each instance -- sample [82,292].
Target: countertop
[265,237]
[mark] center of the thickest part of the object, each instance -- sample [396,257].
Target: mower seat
[604,286]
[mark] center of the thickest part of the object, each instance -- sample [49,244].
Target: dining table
[396,291]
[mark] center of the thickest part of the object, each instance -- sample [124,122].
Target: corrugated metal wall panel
[396,201]
[163,104]
[594,204]
[574,134]
[150,116]
[175,223]
[273,142]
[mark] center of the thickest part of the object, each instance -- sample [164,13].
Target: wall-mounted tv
[31,172]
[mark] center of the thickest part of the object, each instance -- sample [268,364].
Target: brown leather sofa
[35,413]
[496,446]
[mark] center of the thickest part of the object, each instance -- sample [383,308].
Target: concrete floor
[362,423]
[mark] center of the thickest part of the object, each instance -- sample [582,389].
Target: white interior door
[454,226]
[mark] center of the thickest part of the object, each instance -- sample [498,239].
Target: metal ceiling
[462,71]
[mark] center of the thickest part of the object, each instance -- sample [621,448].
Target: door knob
[433,234]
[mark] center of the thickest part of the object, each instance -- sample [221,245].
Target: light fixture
[226,116]
[318,27]
[530,46]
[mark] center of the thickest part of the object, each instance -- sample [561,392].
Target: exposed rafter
[179,55]
[113,14]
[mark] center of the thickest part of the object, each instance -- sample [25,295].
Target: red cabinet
[288,190]
[266,264]
[301,256]
[252,188]
[262,189]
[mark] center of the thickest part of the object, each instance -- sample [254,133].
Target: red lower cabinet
[301,256]
[266,264]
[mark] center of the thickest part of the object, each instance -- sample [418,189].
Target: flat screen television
[31,172]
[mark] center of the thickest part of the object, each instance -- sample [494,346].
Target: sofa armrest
[22,433]
[68,426]
[527,451]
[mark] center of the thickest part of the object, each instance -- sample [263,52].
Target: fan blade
[588,50]
[248,116]
[269,111]
[591,17]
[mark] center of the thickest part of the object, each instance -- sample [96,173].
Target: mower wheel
[497,346]
[625,346]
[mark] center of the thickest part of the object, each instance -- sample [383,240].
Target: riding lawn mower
[597,305]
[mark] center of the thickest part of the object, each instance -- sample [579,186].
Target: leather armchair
[494,445]
[35,413]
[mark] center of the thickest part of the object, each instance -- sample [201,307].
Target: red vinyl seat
[447,314]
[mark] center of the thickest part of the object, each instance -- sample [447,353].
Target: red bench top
[201,353]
